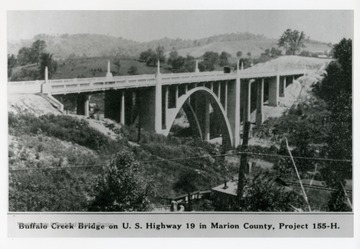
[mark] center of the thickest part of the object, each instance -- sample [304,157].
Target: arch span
[186,102]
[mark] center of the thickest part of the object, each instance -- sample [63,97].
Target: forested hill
[93,45]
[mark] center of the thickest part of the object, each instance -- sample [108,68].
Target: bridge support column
[201,107]
[226,97]
[248,101]
[82,104]
[87,105]
[219,92]
[207,120]
[158,95]
[113,105]
[150,112]
[122,108]
[233,109]
[176,95]
[259,101]
[274,91]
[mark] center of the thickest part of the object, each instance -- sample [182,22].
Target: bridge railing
[99,84]
[62,86]
[25,86]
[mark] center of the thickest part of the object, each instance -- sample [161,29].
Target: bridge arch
[187,102]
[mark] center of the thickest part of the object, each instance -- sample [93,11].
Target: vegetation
[292,41]
[71,154]
[63,127]
[151,57]
[119,187]
[336,90]
[321,126]
[29,56]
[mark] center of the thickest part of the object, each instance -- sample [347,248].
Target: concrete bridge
[215,100]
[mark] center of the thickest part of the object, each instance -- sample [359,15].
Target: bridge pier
[122,108]
[83,104]
[149,114]
[113,105]
[248,101]
[226,97]
[274,91]
[282,86]
[158,101]
[233,109]
[207,120]
[260,101]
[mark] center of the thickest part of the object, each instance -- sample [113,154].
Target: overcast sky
[321,25]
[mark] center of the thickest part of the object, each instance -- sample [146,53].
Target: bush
[120,188]
[62,127]
[49,190]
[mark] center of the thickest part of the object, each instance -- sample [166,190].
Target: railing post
[197,66]
[45,88]
[46,75]
[108,73]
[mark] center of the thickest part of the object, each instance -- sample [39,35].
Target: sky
[321,25]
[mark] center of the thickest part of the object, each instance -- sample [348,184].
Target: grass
[58,142]
[97,67]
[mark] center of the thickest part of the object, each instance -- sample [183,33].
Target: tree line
[37,57]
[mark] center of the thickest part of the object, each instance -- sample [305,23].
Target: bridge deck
[67,86]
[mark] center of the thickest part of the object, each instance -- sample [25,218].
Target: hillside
[97,67]
[64,155]
[93,45]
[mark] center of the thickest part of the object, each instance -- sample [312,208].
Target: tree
[292,41]
[11,62]
[275,52]
[120,188]
[210,59]
[336,90]
[149,56]
[38,48]
[46,60]
[187,183]
[175,61]
[263,193]
[25,56]
[239,54]
[144,55]
[160,54]
[133,70]
[189,64]
[173,55]
[117,63]
[224,58]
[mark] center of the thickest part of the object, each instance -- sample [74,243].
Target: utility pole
[139,115]
[243,161]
